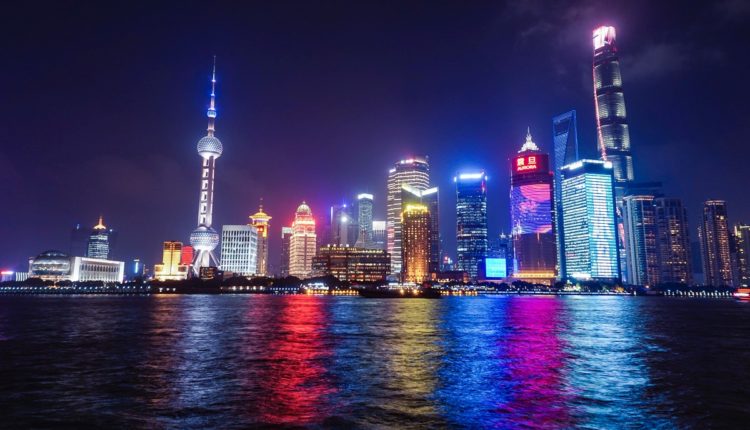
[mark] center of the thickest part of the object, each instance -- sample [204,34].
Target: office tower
[188,255]
[364,220]
[261,221]
[588,216]
[429,198]
[742,248]
[172,267]
[205,239]
[303,243]
[609,105]
[340,222]
[471,221]
[379,235]
[79,239]
[98,245]
[565,139]
[713,235]
[639,214]
[673,241]
[135,270]
[239,249]
[531,214]
[286,239]
[415,250]
[414,172]
[352,264]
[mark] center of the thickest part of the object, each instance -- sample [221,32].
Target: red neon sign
[524,164]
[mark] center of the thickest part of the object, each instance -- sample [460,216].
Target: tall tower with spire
[204,239]
[532,231]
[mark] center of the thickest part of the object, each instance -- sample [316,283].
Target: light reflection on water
[502,362]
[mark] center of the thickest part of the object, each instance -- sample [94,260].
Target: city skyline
[160,217]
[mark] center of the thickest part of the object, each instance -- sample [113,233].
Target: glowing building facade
[741,235]
[364,220]
[639,213]
[674,241]
[239,249]
[429,198]
[172,267]
[531,214]
[204,238]
[415,252]
[261,221]
[713,236]
[565,140]
[303,243]
[99,242]
[286,240]
[379,234]
[609,103]
[471,221]
[414,172]
[588,216]
[57,266]
[352,264]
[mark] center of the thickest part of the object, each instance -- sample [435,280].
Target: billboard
[495,268]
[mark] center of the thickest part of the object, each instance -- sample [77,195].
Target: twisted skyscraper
[609,102]
[204,238]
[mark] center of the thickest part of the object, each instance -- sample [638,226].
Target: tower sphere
[204,238]
[210,146]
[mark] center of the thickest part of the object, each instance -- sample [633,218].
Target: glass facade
[609,101]
[588,216]
[364,220]
[639,215]
[414,172]
[239,249]
[471,221]
[674,241]
[565,139]
[713,236]
[429,198]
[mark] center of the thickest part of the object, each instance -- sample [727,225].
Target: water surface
[503,362]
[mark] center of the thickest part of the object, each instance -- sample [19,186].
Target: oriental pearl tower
[204,239]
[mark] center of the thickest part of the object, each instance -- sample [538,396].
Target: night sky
[104,105]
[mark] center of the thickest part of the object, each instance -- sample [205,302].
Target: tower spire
[211,114]
[529,145]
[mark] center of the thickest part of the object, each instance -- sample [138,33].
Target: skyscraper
[171,267]
[303,243]
[673,241]
[286,239]
[742,245]
[98,244]
[379,235]
[531,214]
[713,235]
[639,214]
[205,239]
[239,249]
[565,138]
[416,243]
[471,221]
[261,221]
[340,222]
[588,216]
[609,104]
[429,198]
[364,220]
[414,172]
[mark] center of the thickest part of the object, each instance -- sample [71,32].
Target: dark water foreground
[245,361]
